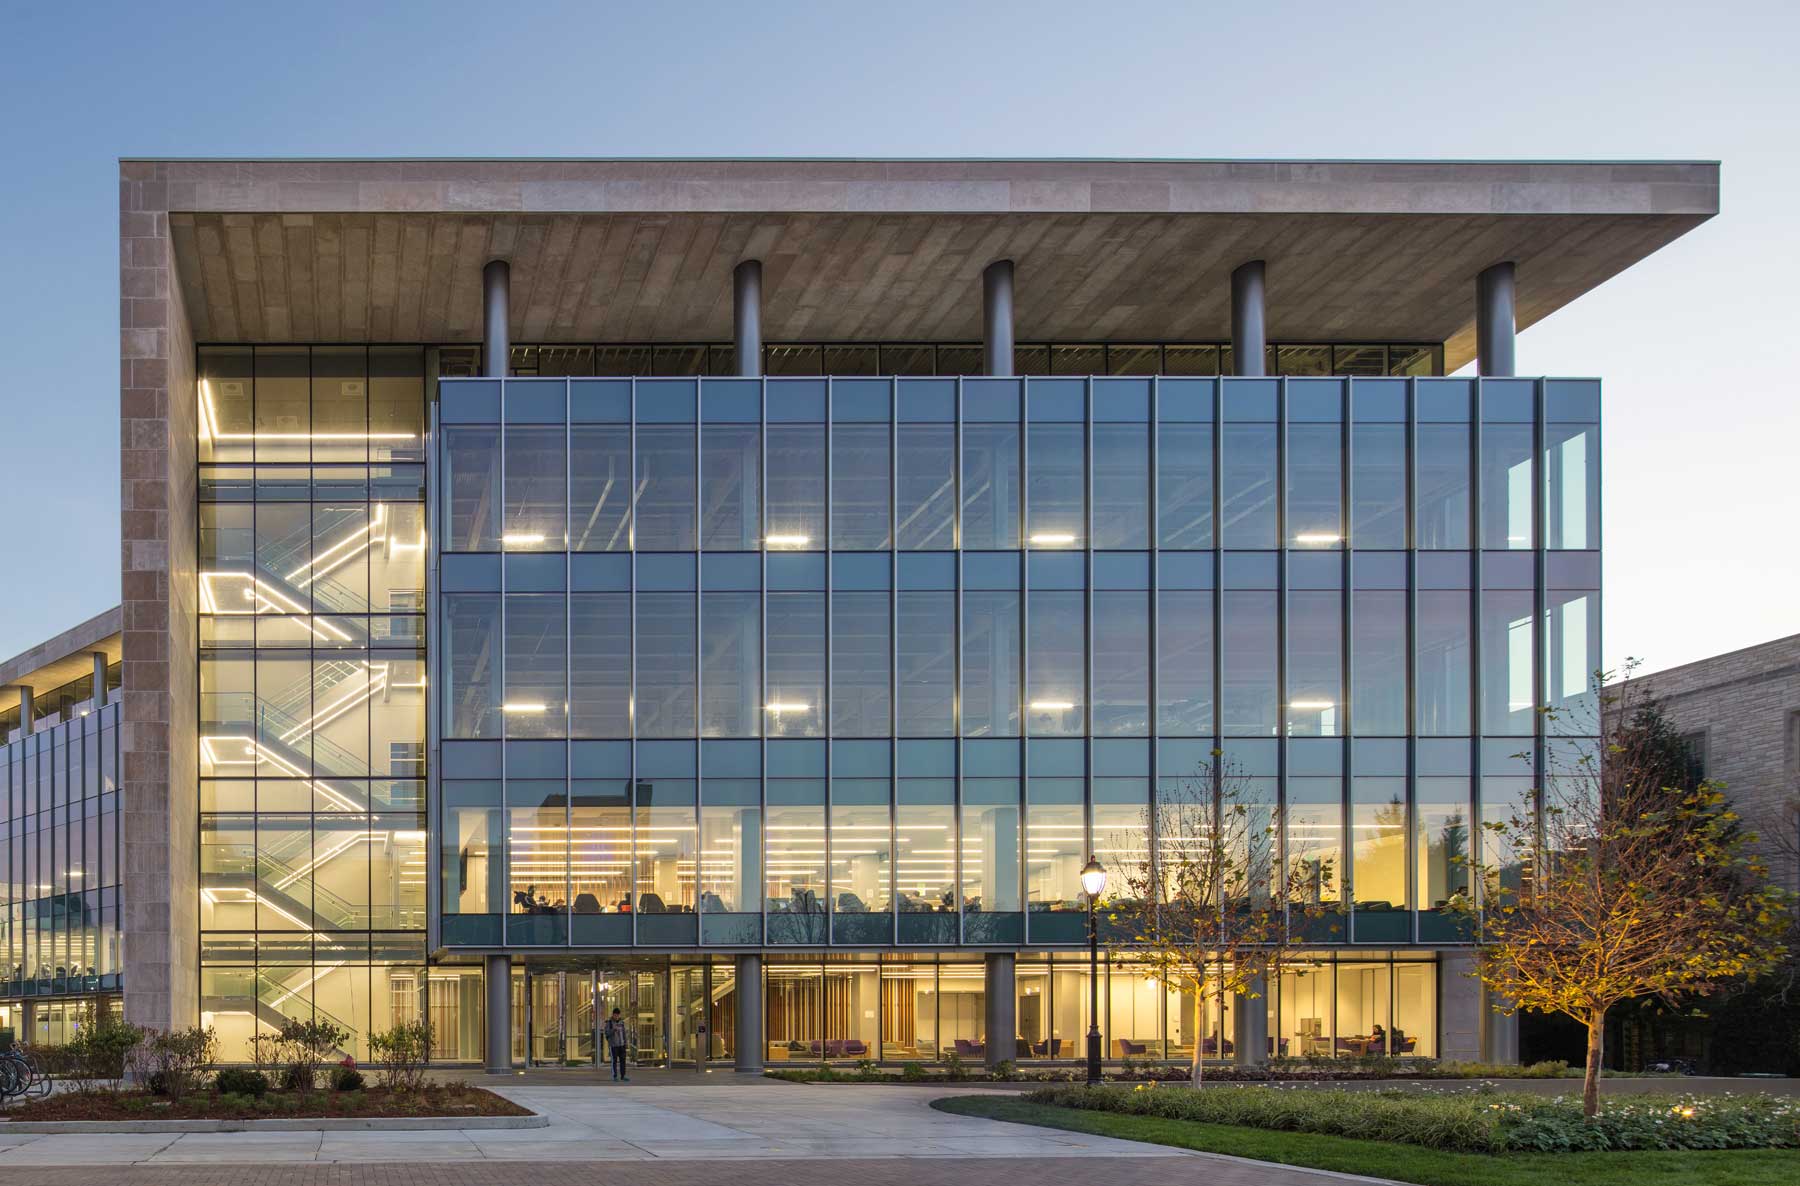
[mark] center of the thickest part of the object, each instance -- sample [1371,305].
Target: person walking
[616,1037]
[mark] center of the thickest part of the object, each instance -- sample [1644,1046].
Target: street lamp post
[1093,883]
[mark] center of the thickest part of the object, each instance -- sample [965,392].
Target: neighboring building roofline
[1779,651]
[98,633]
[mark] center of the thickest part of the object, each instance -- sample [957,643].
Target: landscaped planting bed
[452,1099]
[1477,1120]
[1277,1071]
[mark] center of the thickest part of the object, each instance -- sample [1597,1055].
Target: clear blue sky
[1696,344]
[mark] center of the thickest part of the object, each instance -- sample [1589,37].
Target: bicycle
[22,1075]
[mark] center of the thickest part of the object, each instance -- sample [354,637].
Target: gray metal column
[997,317]
[1495,325]
[1250,1025]
[1002,1008]
[26,708]
[749,1014]
[496,339]
[1460,1028]
[99,679]
[496,353]
[1249,330]
[746,317]
[1499,1031]
[499,1015]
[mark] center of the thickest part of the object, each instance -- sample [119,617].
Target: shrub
[241,1081]
[403,1052]
[95,1055]
[172,1062]
[913,1072]
[346,1079]
[1557,1069]
[868,1069]
[953,1067]
[1006,1070]
[1473,1120]
[100,1048]
[301,1048]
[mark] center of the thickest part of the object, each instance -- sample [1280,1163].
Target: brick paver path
[1018,1171]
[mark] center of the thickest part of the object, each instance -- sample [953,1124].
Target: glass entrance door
[613,990]
[561,1017]
[581,1025]
[647,1014]
[546,1018]
[688,1021]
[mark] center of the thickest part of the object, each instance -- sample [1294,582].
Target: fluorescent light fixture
[1320,705]
[1052,539]
[787,706]
[522,537]
[1051,705]
[1317,537]
[520,706]
[788,541]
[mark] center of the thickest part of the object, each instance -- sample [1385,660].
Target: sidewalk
[763,1128]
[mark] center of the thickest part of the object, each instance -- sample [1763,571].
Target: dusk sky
[1702,399]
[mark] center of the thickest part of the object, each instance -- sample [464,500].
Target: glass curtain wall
[312,676]
[960,358]
[60,868]
[879,628]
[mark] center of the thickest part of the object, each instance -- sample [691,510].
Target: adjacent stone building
[1740,713]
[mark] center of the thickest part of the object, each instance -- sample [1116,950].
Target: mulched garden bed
[450,1099]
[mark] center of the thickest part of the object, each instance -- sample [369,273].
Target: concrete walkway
[880,1134]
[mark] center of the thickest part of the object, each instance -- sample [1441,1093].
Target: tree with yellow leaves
[1624,875]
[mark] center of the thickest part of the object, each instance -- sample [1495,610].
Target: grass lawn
[1405,1163]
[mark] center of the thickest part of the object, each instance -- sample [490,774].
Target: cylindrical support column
[1460,1031]
[749,1014]
[1495,326]
[496,339]
[1250,1024]
[499,1015]
[99,679]
[1002,1008]
[997,317]
[1249,329]
[746,317]
[26,709]
[1499,1031]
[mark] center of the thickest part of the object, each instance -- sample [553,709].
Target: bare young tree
[1212,909]
[1624,876]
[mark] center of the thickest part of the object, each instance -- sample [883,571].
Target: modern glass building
[874,665]
[747,593]
[60,872]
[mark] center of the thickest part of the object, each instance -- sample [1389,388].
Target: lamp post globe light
[1093,883]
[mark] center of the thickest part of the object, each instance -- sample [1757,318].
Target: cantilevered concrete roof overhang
[892,250]
[67,657]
